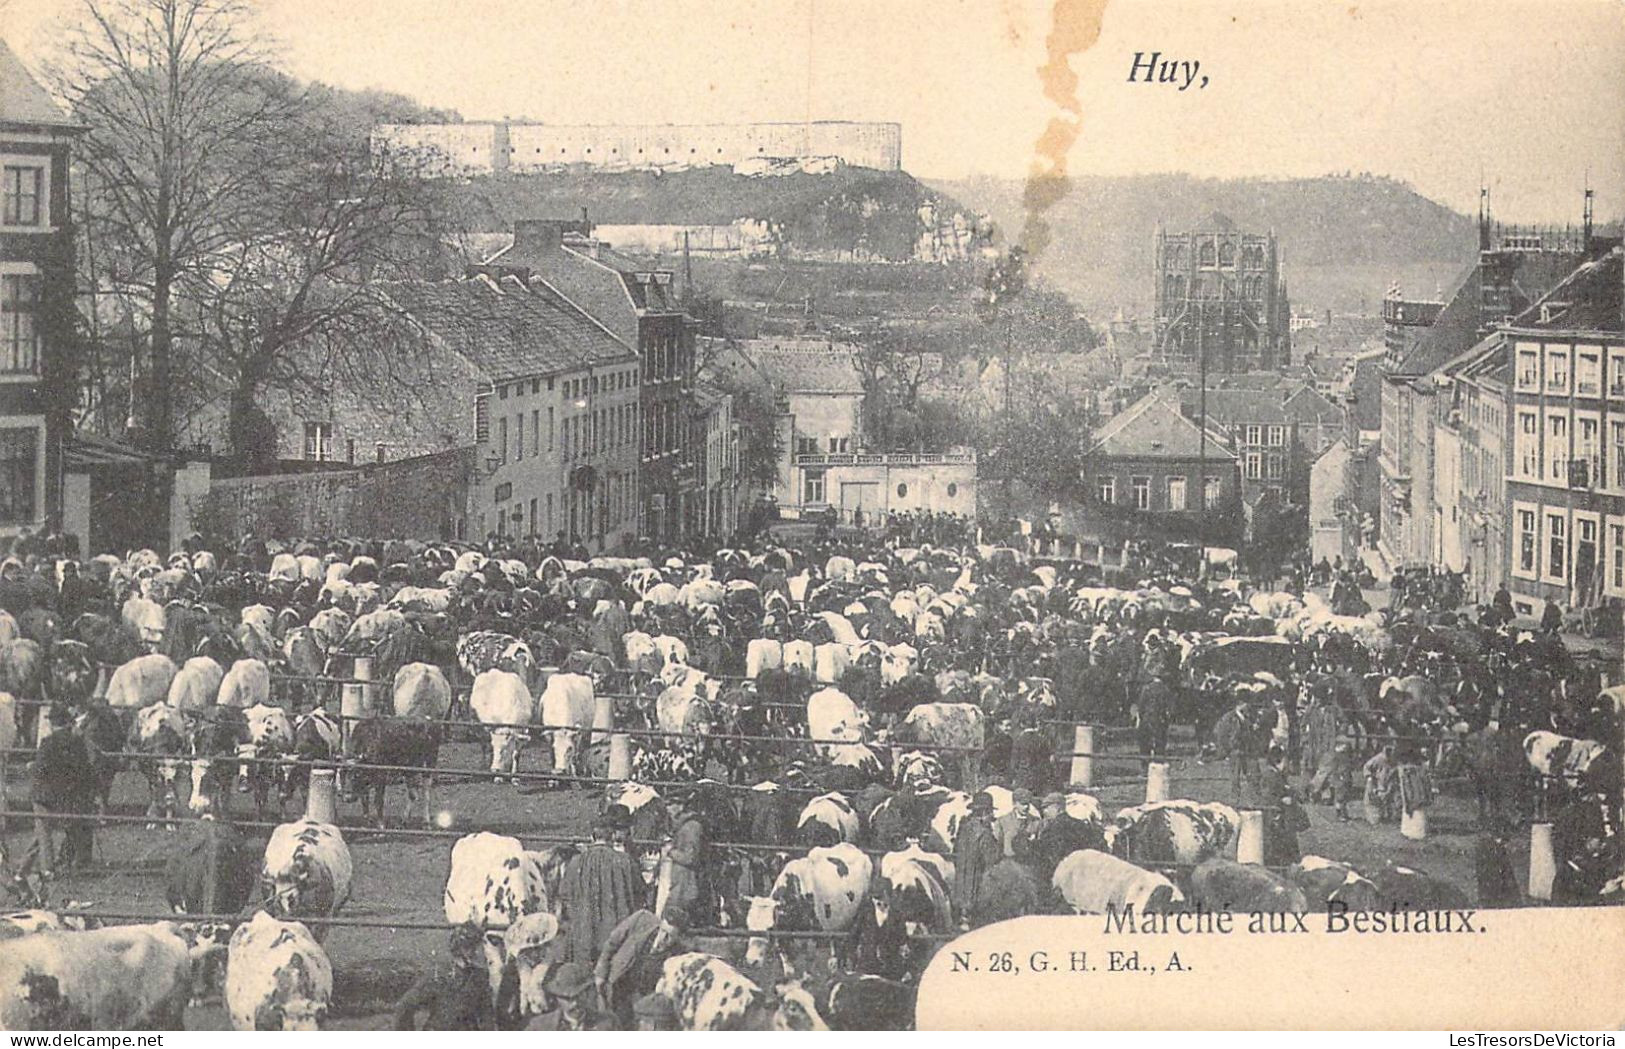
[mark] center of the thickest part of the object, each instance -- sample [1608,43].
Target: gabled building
[37,313]
[1154,463]
[638,303]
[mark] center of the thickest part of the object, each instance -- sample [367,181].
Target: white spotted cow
[262,617]
[307,871]
[832,719]
[494,883]
[246,684]
[145,618]
[831,661]
[641,654]
[1094,882]
[278,978]
[141,682]
[828,820]
[919,770]
[1176,831]
[897,663]
[708,994]
[1561,757]
[960,726]
[672,650]
[270,736]
[421,691]
[122,978]
[799,657]
[196,685]
[158,733]
[823,890]
[568,705]
[331,626]
[501,700]
[762,653]
[485,650]
[527,953]
[915,890]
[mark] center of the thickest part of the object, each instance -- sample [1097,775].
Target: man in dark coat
[976,850]
[629,964]
[1155,708]
[600,886]
[1236,738]
[63,784]
[454,991]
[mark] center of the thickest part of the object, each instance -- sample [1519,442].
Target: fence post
[1250,839]
[1414,824]
[1156,782]
[353,702]
[620,756]
[321,804]
[1083,762]
[1542,861]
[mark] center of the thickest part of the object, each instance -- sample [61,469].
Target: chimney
[533,238]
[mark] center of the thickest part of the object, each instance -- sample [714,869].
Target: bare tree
[179,112]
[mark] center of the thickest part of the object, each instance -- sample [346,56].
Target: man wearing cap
[455,990]
[630,961]
[653,1012]
[600,886]
[64,784]
[570,986]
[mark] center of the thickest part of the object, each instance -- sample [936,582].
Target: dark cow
[214,872]
[1408,889]
[860,1002]
[396,742]
[316,737]
[1327,882]
[105,732]
[1225,885]
[72,675]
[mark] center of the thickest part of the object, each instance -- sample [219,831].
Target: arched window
[1227,254]
[1207,256]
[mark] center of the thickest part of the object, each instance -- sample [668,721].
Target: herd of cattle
[823,721]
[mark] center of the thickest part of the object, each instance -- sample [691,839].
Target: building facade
[38,386]
[638,304]
[1220,296]
[1566,485]
[1154,464]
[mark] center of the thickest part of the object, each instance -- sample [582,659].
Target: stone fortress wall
[487,148]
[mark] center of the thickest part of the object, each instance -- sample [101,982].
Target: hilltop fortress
[498,147]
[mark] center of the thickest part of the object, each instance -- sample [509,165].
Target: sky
[1528,96]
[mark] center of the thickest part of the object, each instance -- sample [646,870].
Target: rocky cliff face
[844,214]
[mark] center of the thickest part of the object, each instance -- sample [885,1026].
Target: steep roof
[1152,428]
[22,99]
[1308,405]
[1588,299]
[508,329]
[1230,407]
[806,366]
[1454,330]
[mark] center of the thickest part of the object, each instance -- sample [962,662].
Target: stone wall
[423,498]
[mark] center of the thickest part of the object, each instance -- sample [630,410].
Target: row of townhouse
[1527,447]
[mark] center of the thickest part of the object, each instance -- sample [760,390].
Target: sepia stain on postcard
[812,515]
